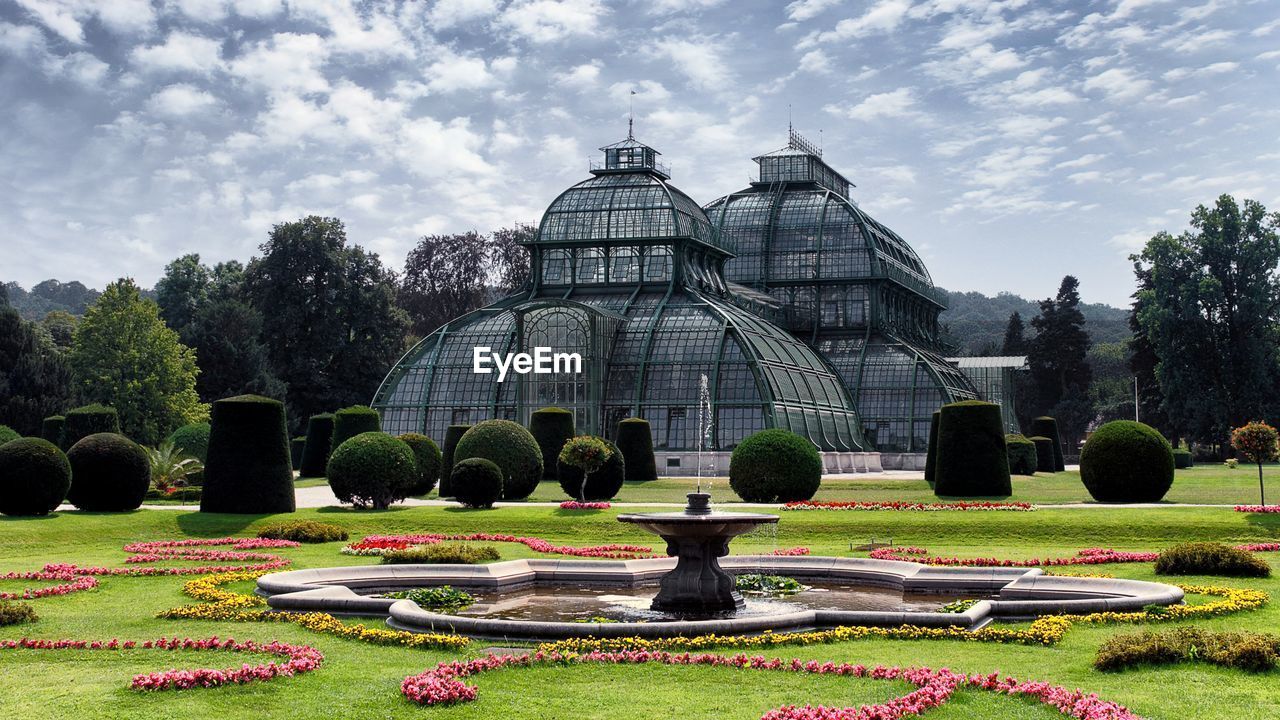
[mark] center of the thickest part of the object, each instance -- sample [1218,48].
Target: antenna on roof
[631,116]
[790,128]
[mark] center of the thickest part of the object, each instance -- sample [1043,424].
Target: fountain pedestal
[698,537]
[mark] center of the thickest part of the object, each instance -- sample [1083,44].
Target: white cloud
[287,62]
[1118,83]
[1081,161]
[180,51]
[668,7]
[550,20]
[815,61]
[900,103]
[580,77]
[453,73]
[802,10]
[698,59]
[445,14]
[1025,127]
[885,16]
[1210,69]
[648,92]
[1197,40]
[431,148]
[180,101]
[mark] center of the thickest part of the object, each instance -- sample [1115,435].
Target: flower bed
[379,544]
[1088,556]
[301,658]
[443,685]
[1258,508]
[789,552]
[894,505]
[575,505]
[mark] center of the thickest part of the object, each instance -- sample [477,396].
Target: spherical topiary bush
[192,440]
[452,435]
[1046,426]
[426,458]
[372,470]
[1044,454]
[51,429]
[109,473]
[248,467]
[511,448]
[1022,454]
[7,433]
[34,477]
[972,458]
[315,453]
[1182,459]
[635,442]
[775,466]
[296,446]
[551,427]
[603,484]
[931,455]
[476,482]
[88,420]
[1126,461]
[351,421]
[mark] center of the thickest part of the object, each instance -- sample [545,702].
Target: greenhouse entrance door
[567,328]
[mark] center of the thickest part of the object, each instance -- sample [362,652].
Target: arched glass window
[624,265]
[590,265]
[657,264]
[555,267]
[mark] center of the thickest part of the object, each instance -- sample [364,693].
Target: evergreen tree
[1058,359]
[1015,341]
[182,290]
[35,381]
[227,337]
[124,356]
[1143,362]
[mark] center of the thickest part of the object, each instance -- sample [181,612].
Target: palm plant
[171,468]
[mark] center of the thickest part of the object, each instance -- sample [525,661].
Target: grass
[363,680]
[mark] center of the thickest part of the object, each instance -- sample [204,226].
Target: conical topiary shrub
[509,446]
[635,442]
[1045,426]
[452,435]
[351,421]
[296,446]
[88,420]
[1022,454]
[109,473]
[972,459]
[248,468]
[1044,455]
[315,453]
[51,429]
[551,427]
[931,455]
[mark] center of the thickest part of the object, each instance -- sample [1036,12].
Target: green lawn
[360,680]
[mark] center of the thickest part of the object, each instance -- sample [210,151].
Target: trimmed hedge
[296,446]
[775,466]
[476,482]
[972,458]
[452,435]
[109,473]
[1248,651]
[441,554]
[1044,455]
[34,477]
[1045,426]
[426,457]
[315,453]
[192,440]
[1210,558]
[7,433]
[1023,459]
[603,484]
[511,448]
[248,467]
[1126,461]
[931,454]
[51,429]
[1182,459]
[303,531]
[352,421]
[372,470]
[12,613]
[635,442]
[551,427]
[88,420]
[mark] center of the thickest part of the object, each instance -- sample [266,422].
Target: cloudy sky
[1010,142]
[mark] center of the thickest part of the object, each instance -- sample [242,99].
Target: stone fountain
[698,537]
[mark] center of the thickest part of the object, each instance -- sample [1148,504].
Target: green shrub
[350,422]
[511,448]
[16,613]
[452,435]
[192,440]
[1252,652]
[1126,461]
[1210,558]
[602,484]
[171,470]
[551,427]
[303,531]
[1182,459]
[931,454]
[1044,454]
[1047,427]
[372,470]
[34,477]
[476,482]
[1022,454]
[315,452]
[972,459]
[51,429]
[442,554]
[248,466]
[445,598]
[7,433]
[109,473]
[775,585]
[775,466]
[296,446]
[426,459]
[88,420]
[635,442]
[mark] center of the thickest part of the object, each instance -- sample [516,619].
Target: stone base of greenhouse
[714,464]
